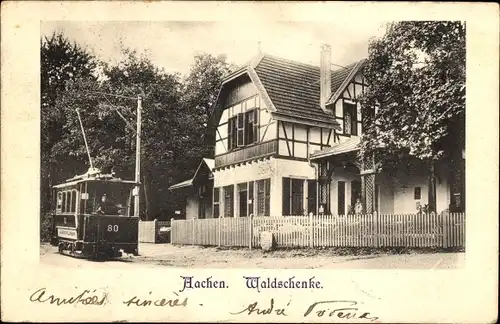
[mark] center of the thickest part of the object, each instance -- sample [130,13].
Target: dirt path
[167,255]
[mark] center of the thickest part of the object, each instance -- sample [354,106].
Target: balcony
[247,153]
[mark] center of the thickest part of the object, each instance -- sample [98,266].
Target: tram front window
[107,206]
[109,199]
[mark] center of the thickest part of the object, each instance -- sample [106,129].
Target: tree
[416,73]
[174,119]
[60,61]
[164,133]
[200,91]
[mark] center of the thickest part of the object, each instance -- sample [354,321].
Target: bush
[45,228]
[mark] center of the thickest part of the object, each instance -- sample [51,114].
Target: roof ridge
[290,60]
[311,65]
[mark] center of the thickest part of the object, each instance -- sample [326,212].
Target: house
[286,141]
[197,192]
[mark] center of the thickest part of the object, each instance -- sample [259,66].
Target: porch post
[363,189]
[368,184]
[324,192]
[370,192]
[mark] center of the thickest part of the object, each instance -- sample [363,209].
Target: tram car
[93,217]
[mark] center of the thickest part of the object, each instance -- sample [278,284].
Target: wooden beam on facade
[286,138]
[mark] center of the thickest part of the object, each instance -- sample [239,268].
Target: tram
[93,216]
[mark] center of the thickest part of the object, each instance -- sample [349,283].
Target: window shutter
[234,133]
[250,198]
[248,127]
[286,196]
[216,203]
[354,120]
[229,133]
[268,197]
[297,196]
[228,201]
[256,126]
[240,130]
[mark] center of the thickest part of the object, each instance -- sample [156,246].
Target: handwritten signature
[86,297]
[343,309]
[340,310]
[252,308]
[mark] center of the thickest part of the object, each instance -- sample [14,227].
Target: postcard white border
[466,295]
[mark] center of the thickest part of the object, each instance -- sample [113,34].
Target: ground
[168,255]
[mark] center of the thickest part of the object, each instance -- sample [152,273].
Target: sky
[172,45]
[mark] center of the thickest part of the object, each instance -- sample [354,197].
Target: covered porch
[343,179]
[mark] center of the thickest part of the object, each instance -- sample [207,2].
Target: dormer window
[350,119]
[243,129]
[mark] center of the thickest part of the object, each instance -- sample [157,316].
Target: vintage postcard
[249,162]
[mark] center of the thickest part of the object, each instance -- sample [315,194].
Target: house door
[355,193]
[202,208]
[341,198]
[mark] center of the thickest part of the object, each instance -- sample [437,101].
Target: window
[73,201]
[263,197]
[216,210]
[350,119]
[63,209]
[250,198]
[228,192]
[251,126]
[59,201]
[66,201]
[243,129]
[417,194]
[293,196]
[243,199]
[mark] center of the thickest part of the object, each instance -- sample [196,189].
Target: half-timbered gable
[297,141]
[345,105]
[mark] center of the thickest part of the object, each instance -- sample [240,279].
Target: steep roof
[182,184]
[294,87]
[210,163]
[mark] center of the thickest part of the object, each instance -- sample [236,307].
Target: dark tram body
[87,225]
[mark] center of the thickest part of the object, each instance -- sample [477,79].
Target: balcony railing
[247,153]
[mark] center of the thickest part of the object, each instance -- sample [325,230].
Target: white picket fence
[372,230]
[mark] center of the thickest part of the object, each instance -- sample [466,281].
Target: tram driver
[107,207]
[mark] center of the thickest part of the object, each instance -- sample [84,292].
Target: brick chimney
[325,79]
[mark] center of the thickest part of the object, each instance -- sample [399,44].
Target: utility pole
[136,191]
[138,158]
